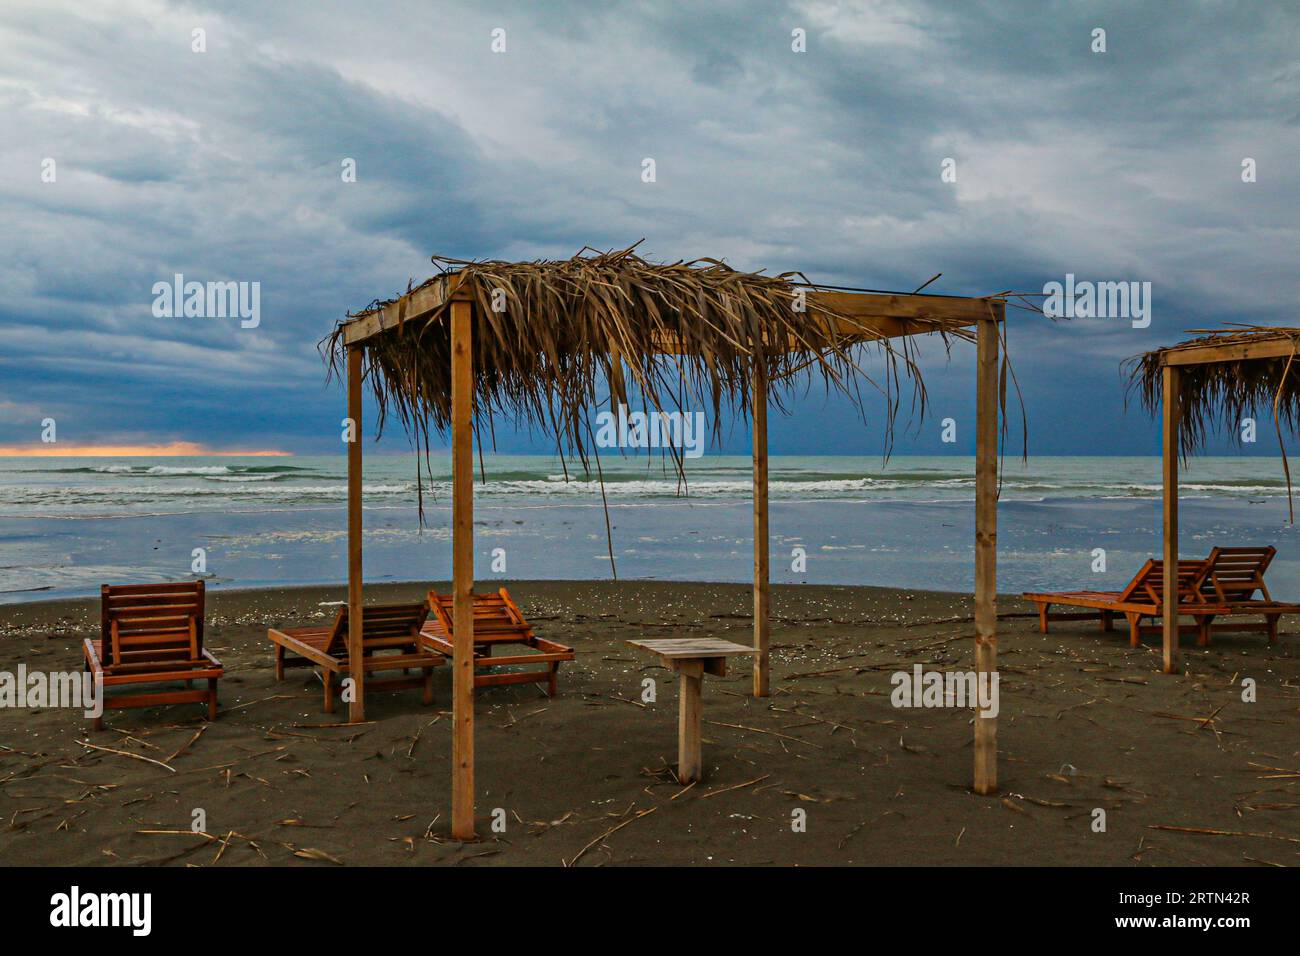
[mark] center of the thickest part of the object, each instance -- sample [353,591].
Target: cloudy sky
[226,165]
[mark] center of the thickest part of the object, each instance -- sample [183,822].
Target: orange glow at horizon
[171,449]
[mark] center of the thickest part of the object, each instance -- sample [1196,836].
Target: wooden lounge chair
[1236,581]
[497,620]
[390,637]
[1142,598]
[152,634]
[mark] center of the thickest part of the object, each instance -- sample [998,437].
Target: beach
[1184,770]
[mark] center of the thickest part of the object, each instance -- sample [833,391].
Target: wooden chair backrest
[494,614]
[383,626]
[1149,583]
[1237,573]
[144,623]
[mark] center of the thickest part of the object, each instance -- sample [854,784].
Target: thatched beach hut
[1204,384]
[544,343]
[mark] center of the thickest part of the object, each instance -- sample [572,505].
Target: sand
[1086,723]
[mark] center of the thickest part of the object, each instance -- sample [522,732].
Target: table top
[686,648]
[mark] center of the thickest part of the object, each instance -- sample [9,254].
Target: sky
[989,142]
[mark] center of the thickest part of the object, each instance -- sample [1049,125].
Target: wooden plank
[462,698]
[986,547]
[1239,352]
[1170,421]
[762,567]
[154,698]
[357,708]
[305,645]
[172,588]
[689,763]
[157,676]
[690,647]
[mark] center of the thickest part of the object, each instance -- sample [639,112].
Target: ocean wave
[135,493]
[657,488]
[107,486]
[165,470]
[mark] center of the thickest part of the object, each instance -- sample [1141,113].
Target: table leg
[689,768]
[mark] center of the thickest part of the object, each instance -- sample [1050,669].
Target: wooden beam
[414,305]
[986,548]
[357,708]
[1239,352]
[462,497]
[1171,416]
[899,314]
[758,400]
[869,315]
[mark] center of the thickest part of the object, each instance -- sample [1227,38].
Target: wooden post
[1170,420]
[357,708]
[986,545]
[689,762]
[762,628]
[462,497]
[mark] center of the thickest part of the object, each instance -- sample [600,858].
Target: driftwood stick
[263,700]
[186,746]
[747,783]
[197,833]
[609,832]
[759,730]
[1210,832]
[127,753]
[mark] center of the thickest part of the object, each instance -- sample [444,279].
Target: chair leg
[279,662]
[328,677]
[1134,629]
[1108,620]
[555,671]
[212,698]
[1203,630]
[428,686]
[96,723]
[1042,618]
[1272,628]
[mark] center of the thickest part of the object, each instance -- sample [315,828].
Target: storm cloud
[226,165]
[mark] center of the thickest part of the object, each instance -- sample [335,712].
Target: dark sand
[1086,722]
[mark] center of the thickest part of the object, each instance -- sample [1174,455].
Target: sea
[68,525]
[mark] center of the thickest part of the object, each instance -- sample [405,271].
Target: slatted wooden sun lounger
[1143,597]
[497,620]
[152,634]
[1236,581]
[390,636]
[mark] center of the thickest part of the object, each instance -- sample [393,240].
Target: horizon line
[179,449]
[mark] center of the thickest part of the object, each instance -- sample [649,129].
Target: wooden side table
[692,658]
